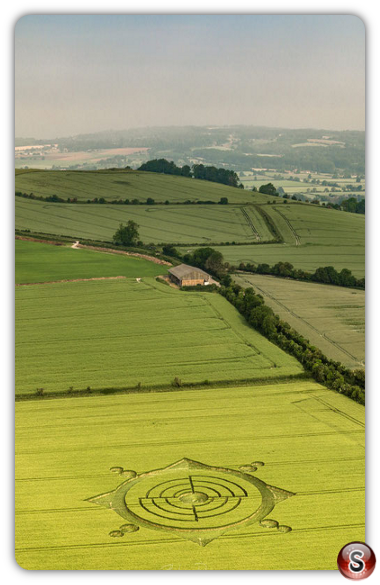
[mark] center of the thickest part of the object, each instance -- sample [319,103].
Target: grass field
[332,318]
[310,439]
[123,333]
[313,236]
[37,262]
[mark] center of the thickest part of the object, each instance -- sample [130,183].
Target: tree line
[197,171]
[325,275]
[102,200]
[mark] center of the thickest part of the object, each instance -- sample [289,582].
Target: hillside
[123,184]
[310,236]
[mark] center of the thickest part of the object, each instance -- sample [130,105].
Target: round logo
[356,560]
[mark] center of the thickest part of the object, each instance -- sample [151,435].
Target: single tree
[127,235]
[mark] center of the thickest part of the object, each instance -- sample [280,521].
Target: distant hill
[236,147]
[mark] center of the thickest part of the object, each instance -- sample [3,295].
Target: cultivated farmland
[158,224]
[125,333]
[331,317]
[301,437]
[123,185]
[312,236]
[262,452]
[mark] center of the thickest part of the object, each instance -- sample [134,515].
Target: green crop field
[130,185]
[331,317]
[302,224]
[304,257]
[300,438]
[158,224]
[121,333]
[313,236]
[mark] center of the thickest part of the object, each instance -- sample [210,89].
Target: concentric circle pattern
[193,500]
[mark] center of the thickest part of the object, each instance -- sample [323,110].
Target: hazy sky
[79,74]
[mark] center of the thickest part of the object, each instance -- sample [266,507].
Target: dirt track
[136,254]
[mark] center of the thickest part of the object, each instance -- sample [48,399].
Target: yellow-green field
[310,440]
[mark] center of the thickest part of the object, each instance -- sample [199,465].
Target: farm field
[304,257]
[125,333]
[36,262]
[305,435]
[123,185]
[292,187]
[47,157]
[187,224]
[332,318]
[302,224]
[267,437]
[313,237]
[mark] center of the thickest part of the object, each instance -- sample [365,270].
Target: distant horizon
[313,129]
[84,74]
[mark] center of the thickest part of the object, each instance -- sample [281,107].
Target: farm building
[185,275]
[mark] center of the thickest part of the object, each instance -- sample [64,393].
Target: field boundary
[186,386]
[71,280]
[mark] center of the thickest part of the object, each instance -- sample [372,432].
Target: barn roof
[190,272]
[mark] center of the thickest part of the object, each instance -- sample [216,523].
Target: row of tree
[102,200]
[197,171]
[325,275]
